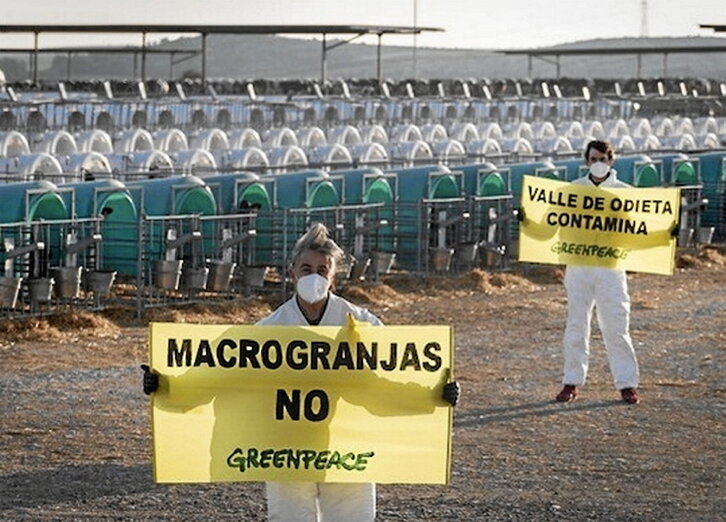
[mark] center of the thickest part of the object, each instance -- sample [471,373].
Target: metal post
[415,33]
[143,57]
[639,69]
[323,61]
[35,58]
[204,61]
[378,59]
[665,65]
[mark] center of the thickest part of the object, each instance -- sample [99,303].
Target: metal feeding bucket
[441,259]
[466,253]
[99,281]
[358,269]
[167,274]
[705,235]
[383,262]
[67,281]
[40,289]
[254,276]
[195,278]
[9,290]
[220,275]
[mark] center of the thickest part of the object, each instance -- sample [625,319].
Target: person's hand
[151,380]
[519,214]
[675,231]
[452,392]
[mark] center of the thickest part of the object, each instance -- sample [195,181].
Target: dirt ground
[75,430]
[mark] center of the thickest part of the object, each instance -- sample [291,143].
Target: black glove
[452,391]
[151,380]
[519,214]
[675,231]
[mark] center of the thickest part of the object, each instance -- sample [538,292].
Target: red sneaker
[630,395]
[568,393]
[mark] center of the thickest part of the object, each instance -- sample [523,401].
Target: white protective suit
[607,289]
[313,501]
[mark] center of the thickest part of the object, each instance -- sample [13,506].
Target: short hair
[603,146]
[317,238]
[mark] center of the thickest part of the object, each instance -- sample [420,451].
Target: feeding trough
[195,278]
[167,273]
[9,290]
[220,275]
[40,289]
[68,281]
[98,281]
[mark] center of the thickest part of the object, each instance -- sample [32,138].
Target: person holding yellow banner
[604,288]
[312,270]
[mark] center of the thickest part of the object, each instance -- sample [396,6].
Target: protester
[603,288]
[312,271]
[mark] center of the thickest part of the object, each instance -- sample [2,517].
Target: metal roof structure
[205,30]
[557,52]
[716,28]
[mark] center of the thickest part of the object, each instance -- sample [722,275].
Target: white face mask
[312,288]
[599,169]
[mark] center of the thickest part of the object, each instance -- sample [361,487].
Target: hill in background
[275,57]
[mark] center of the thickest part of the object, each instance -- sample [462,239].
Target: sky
[479,24]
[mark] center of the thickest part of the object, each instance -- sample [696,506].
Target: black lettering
[274,348]
[323,408]
[434,360]
[366,358]
[319,352]
[248,350]
[300,361]
[576,221]
[410,357]
[391,363]
[221,358]
[204,355]
[343,357]
[174,355]
[532,192]
[289,404]
[611,224]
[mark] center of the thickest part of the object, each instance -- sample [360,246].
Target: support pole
[143,57]
[323,63]
[35,58]
[204,61]
[378,59]
[638,72]
[665,65]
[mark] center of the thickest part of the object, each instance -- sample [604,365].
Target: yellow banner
[628,229]
[287,403]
